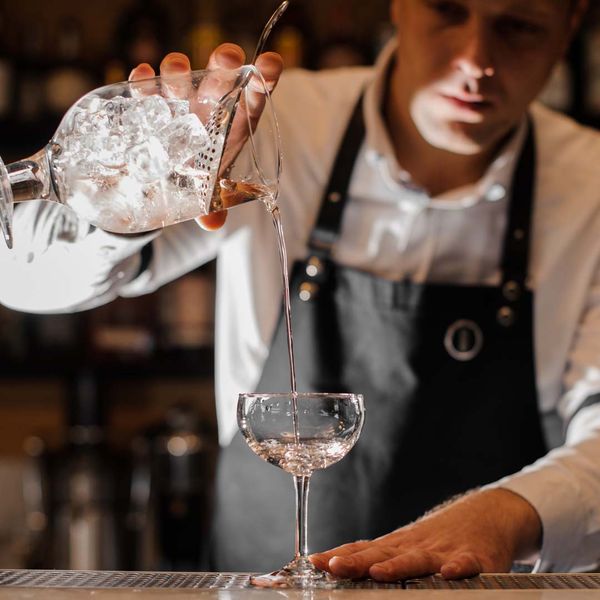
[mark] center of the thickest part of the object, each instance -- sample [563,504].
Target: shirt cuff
[115,247]
[556,498]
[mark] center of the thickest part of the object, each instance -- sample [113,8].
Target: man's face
[467,70]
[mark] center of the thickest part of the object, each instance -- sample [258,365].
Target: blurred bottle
[294,38]
[69,78]
[341,45]
[31,98]
[7,74]
[14,342]
[124,328]
[142,36]
[187,312]
[36,502]
[342,52]
[183,480]
[56,337]
[205,33]
[73,492]
[171,491]
[289,42]
[114,71]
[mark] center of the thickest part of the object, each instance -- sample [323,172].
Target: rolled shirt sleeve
[178,250]
[61,264]
[564,488]
[564,485]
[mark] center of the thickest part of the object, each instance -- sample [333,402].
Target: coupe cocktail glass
[300,433]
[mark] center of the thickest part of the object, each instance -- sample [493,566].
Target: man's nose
[474,56]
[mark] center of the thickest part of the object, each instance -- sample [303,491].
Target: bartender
[443,231]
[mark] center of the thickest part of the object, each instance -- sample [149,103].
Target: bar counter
[120,585]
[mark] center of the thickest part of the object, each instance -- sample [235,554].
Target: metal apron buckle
[463,340]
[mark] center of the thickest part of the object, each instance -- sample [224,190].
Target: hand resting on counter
[483,531]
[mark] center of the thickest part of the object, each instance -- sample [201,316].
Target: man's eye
[519,27]
[453,12]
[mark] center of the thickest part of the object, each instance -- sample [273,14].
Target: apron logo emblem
[463,340]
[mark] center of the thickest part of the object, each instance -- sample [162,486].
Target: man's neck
[436,170]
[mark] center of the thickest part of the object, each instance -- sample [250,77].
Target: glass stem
[30,178]
[27,179]
[301,484]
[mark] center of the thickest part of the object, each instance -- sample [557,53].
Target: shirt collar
[493,185]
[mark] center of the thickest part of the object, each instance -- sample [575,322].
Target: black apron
[448,377]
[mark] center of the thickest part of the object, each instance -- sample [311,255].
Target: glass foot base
[298,574]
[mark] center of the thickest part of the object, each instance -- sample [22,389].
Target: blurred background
[107,422]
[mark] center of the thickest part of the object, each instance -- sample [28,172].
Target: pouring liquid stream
[287,311]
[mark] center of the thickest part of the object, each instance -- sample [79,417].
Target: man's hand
[225,56]
[483,531]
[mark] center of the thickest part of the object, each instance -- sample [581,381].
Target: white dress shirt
[395,230]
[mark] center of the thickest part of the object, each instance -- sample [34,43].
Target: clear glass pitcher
[136,156]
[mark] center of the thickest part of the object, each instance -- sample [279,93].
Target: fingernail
[143,67]
[231,50]
[177,63]
[346,560]
[449,570]
[379,569]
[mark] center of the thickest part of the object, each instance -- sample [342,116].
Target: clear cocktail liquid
[287,310]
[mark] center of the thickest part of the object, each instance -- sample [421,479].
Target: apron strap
[327,228]
[515,255]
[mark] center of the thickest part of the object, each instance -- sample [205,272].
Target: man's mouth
[469,102]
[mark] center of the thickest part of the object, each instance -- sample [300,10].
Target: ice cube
[183,138]
[114,111]
[178,107]
[105,207]
[148,161]
[92,104]
[120,208]
[158,111]
[109,150]
[151,212]
[191,189]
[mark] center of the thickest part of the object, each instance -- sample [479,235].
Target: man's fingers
[139,76]
[358,564]
[460,566]
[174,71]
[413,563]
[321,559]
[174,63]
[143,71]
[213,221]
[270,64]
[226,56]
